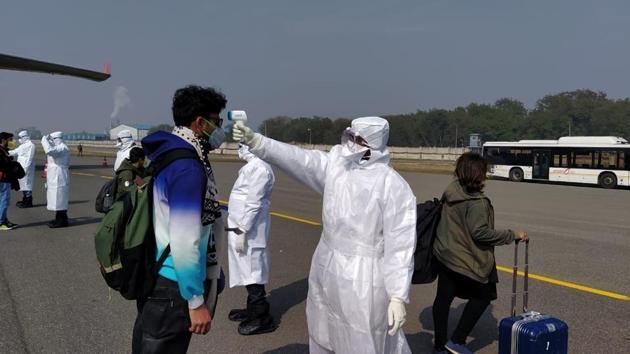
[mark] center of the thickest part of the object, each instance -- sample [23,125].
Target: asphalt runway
[53,299]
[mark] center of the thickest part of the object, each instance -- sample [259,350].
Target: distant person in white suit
[124,143]
[57,178]
[248,226]
[25,154]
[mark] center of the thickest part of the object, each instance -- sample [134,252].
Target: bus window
[622,161]
[583,159]
[492,155]
[560,159]
[608,159]
[509,156]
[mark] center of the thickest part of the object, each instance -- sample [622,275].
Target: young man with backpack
[185,206]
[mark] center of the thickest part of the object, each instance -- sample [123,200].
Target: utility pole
[456,133]
[570,119]
[309,136]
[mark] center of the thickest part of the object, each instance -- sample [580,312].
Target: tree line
[580,112]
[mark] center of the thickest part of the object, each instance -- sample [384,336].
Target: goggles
[349,136]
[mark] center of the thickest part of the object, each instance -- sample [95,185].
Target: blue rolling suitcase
[530,332]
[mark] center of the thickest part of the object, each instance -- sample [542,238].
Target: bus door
[542,159]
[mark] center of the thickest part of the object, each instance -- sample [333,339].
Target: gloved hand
[239,241]
[243,133]
[396,315]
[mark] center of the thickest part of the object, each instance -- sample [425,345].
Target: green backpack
[125,239]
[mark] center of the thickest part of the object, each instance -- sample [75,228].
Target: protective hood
[375,131]
[57,137]
[125,138]
[23,137]
[244,154]
[160,142]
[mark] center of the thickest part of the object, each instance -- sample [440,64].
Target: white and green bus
[602,160]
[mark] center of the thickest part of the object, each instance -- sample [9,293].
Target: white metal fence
[108,148]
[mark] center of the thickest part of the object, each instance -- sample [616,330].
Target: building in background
[138,131]
[474,143]
[85,136]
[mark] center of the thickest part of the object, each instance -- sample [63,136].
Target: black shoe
[20,204]
[26,203]
[61,220]
[238,315]
[11,225]
[57,224]
[257,326]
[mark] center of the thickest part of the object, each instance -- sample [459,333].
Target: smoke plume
[121,99]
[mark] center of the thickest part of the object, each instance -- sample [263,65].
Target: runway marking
[92,175]
[542,278]
[570,285]
[85,174]
[285,216]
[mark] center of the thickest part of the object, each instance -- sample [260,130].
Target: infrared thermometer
[237,116]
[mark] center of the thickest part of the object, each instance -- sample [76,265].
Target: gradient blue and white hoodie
[177,200]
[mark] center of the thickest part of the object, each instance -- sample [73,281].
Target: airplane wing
[10,62]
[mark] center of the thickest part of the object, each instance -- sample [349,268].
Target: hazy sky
[304,58]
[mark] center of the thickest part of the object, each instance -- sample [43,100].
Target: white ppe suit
[364,257]
[125,145]
[25,154]
[248,210]
[58,175]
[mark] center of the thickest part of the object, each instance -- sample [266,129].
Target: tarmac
[54,300]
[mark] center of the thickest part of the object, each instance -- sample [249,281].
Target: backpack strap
[162,161]
[154,169]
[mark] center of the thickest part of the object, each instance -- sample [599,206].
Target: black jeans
[446,291]
[163,321]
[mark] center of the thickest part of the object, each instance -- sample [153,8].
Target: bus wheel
[607,180]
[516,175]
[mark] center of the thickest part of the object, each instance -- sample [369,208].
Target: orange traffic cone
[104,163]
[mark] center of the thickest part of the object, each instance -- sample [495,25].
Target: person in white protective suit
[361,269]
[25,154]
[248,226]
[57,178]
[125,143]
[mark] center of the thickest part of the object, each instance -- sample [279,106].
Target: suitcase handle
[525,280]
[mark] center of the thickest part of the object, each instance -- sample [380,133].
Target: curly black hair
[193,101]
[136,154]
